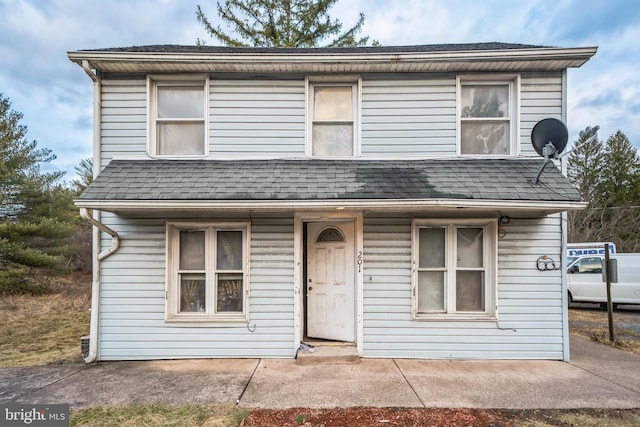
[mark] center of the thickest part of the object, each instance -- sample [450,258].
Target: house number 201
[359,261]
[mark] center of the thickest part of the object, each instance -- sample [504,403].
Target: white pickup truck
[585,281]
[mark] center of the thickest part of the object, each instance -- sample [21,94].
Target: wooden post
[607,266]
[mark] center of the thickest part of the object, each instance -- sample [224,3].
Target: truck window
[588,266]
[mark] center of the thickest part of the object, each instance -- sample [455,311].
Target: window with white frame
[207,269]
[178,117]
[333,119]
[487,117]
[454,268]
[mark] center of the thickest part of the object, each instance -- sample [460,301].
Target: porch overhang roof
[464,57]
[165,186]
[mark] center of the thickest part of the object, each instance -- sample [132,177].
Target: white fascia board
[267,61]
[377,204]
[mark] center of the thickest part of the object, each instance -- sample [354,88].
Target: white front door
[331,281]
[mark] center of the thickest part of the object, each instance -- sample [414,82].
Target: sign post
[607,266]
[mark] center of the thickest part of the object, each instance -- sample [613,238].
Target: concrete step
[329,354]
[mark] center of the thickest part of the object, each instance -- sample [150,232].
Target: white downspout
[86,215]
[564,233]
[97,160]
[97,105]
[95,286]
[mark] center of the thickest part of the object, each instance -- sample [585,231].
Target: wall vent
[84,346]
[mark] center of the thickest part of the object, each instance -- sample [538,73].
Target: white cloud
[603,91]
[54,94]
[606,91]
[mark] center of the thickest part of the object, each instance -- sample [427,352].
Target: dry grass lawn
[159,415]
[36,330]
[592,323]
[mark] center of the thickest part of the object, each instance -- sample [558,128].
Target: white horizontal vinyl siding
[540,98]
[401,115]
[247,118]
[123,118]
[132,298]
[250,118]
[529,322]
[409,117]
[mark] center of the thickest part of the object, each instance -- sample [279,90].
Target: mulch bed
[371,417]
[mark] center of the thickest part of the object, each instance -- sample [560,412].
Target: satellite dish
[549,131]
[548,137]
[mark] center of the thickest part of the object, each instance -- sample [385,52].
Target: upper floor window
[178,117]
[454,268]
[333,119]
[487,109]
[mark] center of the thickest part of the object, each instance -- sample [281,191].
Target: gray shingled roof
[431,58]
[318,179]
[446,47]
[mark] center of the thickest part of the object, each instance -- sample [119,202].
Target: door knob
[310,287]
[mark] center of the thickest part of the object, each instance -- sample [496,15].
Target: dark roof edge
[445,47]
[421,58]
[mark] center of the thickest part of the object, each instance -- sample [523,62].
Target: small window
[454,269]
[207,270]
[330,235]
[587,266]
[178,118]
[333,119]
[487,117]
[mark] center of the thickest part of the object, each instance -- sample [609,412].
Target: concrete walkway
[597,377]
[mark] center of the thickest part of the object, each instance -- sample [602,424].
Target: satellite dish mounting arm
[550,152]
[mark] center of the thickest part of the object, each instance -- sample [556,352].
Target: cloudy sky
[55,95]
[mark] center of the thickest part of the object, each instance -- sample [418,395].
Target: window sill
[454,318]
[207,321]
[491,156]
[178,156]
[329,157]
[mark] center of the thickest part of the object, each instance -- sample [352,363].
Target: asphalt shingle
[319,179]
[203,49]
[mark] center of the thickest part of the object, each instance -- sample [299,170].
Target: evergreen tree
[585,165]
[281,23]
[83,258]
[84,171]
[20,175]
[607,175]
[36,212]
[620,177]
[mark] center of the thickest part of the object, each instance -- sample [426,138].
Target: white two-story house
[250,199]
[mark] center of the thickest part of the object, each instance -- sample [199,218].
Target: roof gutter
[357,204]
[266,61]
[391,57]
